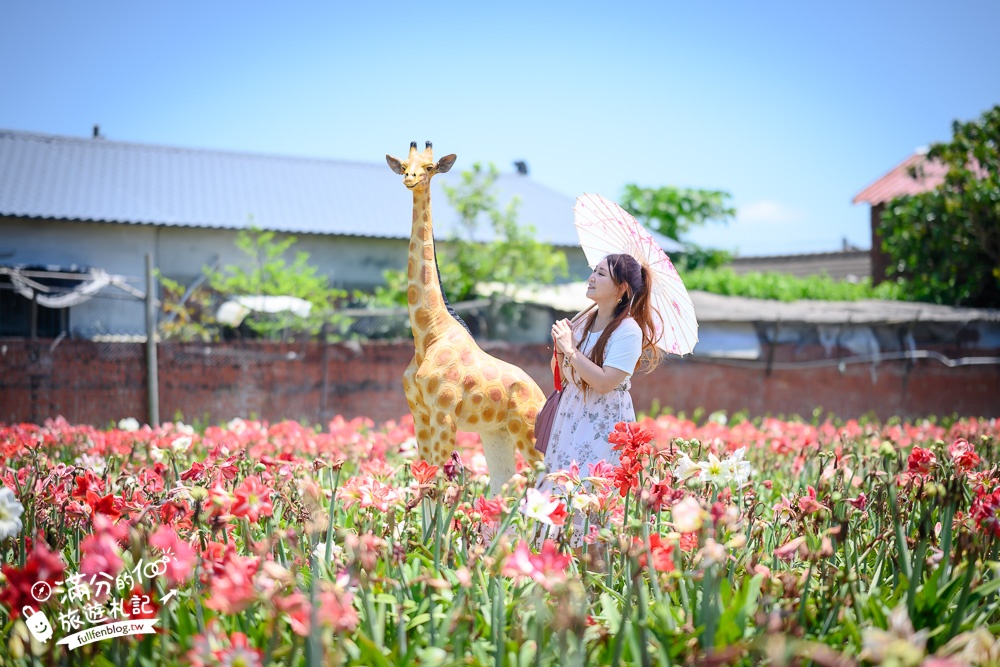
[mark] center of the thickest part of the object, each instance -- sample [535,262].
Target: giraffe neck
[429,316]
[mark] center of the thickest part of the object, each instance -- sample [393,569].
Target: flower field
[748,542]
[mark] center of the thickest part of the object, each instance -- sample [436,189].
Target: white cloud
[772,212]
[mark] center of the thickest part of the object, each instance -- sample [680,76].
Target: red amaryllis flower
[661,551]
[861,502]
[253,500]
[629,434]
[921,461]
[107,505]
[986,512]
[40,565]
[491,510]
[424,472]
[963,455]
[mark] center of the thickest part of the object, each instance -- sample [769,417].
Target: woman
[597,356]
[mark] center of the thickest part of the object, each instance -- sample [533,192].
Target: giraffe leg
[521,424]
[498,448]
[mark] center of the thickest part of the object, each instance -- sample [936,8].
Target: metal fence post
[152,379]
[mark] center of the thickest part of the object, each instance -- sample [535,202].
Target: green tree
[269,274]
[191,315]
[944,244]
[673,211]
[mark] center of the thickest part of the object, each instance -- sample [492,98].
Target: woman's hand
[563,335]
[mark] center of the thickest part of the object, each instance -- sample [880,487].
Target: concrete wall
[180,253]
[96,383]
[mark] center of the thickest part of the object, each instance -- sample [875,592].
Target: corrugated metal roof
[71,178]
[898,182]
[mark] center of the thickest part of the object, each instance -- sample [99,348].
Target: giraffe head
[418,168]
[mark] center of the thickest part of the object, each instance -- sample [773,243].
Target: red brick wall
[99,382]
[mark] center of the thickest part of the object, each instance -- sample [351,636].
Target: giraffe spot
[442,357]
[425,233]
[489,414]
[425,420]
[432,385]
[423,435]
[425,275]
[446,398]
[523,394]
[411,267]
[495,394]
[432,300]
[530,415]
[515,427]
[466,357]
[469,382]
[458,408]
[441,418]
[477,398]
[490,372]
[508,380]
[422,319]
[429,253]
[473,419]
[413,247]
[453,375]
[412,295]
[427,216]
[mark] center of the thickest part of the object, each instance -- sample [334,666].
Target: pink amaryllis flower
[100,551]
[231,587]
[808,503]
[335,608]
[181,557]
[547,568]
[252,500]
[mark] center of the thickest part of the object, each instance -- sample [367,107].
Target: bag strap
[557,378]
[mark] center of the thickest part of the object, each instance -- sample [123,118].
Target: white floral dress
[583,422]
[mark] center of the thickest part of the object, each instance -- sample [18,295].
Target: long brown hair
[635,303]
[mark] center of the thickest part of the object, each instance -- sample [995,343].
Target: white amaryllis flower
[92,462]
[129,424]
[584,502]
[720,472]
[539,506]
[687,515]
[408,448]
[741,470]
[181,444]
[11,510]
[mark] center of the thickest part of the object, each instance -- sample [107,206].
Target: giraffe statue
[451,383]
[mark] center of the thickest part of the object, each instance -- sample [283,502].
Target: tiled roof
[898,182]
[70,178]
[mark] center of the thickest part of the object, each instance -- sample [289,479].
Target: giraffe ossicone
[451,384]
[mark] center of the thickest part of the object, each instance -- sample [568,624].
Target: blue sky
[793,108]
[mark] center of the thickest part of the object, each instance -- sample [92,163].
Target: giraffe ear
[445,163]
[394,164]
